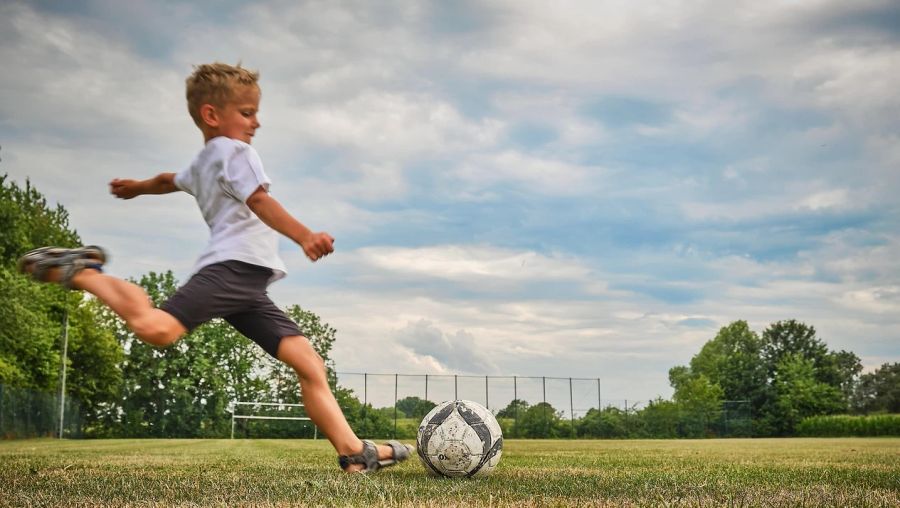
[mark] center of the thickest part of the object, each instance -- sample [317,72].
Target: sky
[516,188]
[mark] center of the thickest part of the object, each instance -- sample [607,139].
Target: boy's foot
[57,264]
[368,458]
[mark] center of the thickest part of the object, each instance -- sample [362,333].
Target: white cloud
[73,80]
[459,352]
[395,131]
[394,127]
[475,265]
[876,300]
[858,82]
[828,199]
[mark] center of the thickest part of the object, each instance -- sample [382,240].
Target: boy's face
[237,119]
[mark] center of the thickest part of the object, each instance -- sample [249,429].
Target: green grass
[759,472]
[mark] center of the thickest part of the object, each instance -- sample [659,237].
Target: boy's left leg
[318,400]
[130,302]
[80,269]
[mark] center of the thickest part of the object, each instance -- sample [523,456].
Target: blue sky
[586,190]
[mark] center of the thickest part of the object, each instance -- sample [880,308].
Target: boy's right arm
[314,245]
[162,183]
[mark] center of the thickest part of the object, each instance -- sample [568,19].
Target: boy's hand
[317,245]
[124,189]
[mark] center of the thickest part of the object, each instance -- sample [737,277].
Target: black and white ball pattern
[459,438]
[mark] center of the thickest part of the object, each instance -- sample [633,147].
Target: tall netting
[28,413]
[393,405]
[735,420]
[534,407]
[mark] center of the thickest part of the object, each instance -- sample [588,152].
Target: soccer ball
[459,438]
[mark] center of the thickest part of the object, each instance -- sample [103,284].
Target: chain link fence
[573,396]
[544,406]
[28,413]
[392,405]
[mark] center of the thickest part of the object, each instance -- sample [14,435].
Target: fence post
[725,417]
[544,407]
[396,378]
[62,388]
[571,408]
[365,410]
[515,407]
[455,388]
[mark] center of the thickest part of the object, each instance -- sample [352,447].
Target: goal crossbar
[235,417]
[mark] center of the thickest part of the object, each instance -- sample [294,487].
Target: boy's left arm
[270,211]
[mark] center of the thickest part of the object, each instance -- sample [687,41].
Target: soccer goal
[256,406]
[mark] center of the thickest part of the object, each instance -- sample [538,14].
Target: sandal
[38,262]
[369,456]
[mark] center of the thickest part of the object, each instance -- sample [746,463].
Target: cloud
[584,189]
[459,352]
[394,127]
[534,174]
[478,271]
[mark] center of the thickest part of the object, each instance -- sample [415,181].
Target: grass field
[759,472]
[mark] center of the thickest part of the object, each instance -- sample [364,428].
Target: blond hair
[215,84]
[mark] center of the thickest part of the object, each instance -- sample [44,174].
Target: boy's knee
[298,353]
[155,332]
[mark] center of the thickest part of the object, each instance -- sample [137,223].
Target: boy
[241,260]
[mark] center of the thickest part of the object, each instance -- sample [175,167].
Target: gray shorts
[236,292]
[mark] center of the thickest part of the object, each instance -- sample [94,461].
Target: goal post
[235,417]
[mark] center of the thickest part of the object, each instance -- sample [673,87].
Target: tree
[700,401]
[799,394]
[515,408]
[513,411]
[365,421]
[608,423]
[414,407]
[32,314]
[761,369]
[879,391]
[843,372]
[733,360]
[794,354]
[93,377]
[661,419]
[791,337]
[541,421]
[30,331]
[28,222]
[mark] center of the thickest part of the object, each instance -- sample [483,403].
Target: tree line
[740,382]
[124,388]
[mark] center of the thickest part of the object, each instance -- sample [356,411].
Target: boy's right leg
[320,404]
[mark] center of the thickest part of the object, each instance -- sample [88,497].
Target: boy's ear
[209,115]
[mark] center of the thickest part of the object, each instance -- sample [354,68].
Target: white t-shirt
[223,175]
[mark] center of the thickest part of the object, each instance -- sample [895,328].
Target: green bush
[846,426]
